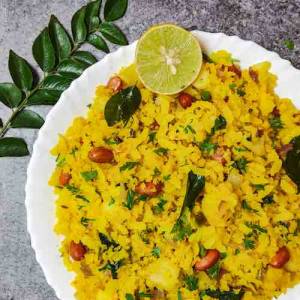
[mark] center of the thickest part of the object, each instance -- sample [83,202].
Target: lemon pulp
[168,58]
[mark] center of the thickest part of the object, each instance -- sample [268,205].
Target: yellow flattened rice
[123,243]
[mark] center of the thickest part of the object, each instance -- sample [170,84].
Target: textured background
[266,22]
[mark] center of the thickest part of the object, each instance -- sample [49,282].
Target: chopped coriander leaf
[179,296]
[159,208]
[145,295]
[85,221]
[269,199]
[90,175]
[142,198]
[289,44]
[246,206]
[240,149]
[156,252]
[297,230]
[60,161]
[152,136]
[256,227]
[241,164]
[223,255]
[202,251]
[113,268]
[259,187]
[129,199]
[249,244]
[214,271]
[129,165]
[181,229]
[237,251]
[167,177]
[207,146]
[82,198]
[191,282]
[188,129]
[144,235]
[156,172]
[112,141]
[232,86]
[72,188]
[129,297]
[241,92]
[112,201]
[73,151]
[161,151]
[220,123]
[275,122]
[206,96]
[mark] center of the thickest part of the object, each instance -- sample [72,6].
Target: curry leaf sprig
[58,55]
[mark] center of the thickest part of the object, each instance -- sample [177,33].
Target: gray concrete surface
[263,21]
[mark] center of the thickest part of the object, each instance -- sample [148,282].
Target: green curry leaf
[121,106]
[115,9]
[292,162]
[11,146]
[195,184]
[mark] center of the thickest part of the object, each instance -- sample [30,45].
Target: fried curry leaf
[269,199]
[223,295]
[292,162]
[121,106]
[195,184]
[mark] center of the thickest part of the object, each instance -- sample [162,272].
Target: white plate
[73,102]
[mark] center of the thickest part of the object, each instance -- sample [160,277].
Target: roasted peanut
[254,75]
[283,150]
[281,257]
[115,83]
[77,251]
[219,156]
[235,69]
[64,178]
[101,155]
[211,258]
[185,100]
[148,188]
